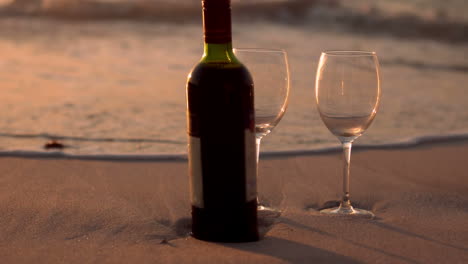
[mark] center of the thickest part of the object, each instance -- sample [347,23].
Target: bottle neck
[215,52]
[217,31]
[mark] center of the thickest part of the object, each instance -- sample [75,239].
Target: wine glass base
[270,212]
[349,211]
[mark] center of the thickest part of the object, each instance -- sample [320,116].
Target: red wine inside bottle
[221,128]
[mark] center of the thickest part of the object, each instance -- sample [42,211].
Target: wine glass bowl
[347,93]
[270,72]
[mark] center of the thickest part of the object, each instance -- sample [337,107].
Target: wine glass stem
[345,202]
[257,148]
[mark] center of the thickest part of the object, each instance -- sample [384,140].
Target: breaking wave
[371,20]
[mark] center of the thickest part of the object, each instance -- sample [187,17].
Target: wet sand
[118,87]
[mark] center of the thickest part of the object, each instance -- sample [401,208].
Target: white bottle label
[195,168]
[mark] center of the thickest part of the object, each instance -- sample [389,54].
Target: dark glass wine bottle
[221,128]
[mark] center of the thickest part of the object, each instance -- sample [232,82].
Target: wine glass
[270,72]
[347,90]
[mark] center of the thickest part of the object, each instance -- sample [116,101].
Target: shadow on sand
[292,252]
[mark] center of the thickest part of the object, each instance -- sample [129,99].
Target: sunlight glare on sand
[6,2]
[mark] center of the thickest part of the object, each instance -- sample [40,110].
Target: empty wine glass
[270,72]
[347,90]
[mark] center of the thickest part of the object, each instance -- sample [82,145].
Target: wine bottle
[221,132]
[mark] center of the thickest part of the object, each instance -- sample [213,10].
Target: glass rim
[349,53]
[260,50]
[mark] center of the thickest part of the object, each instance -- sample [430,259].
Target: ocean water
[108,77]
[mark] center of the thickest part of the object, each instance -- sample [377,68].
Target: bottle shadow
[291,251]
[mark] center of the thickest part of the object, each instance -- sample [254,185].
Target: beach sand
[64,210]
